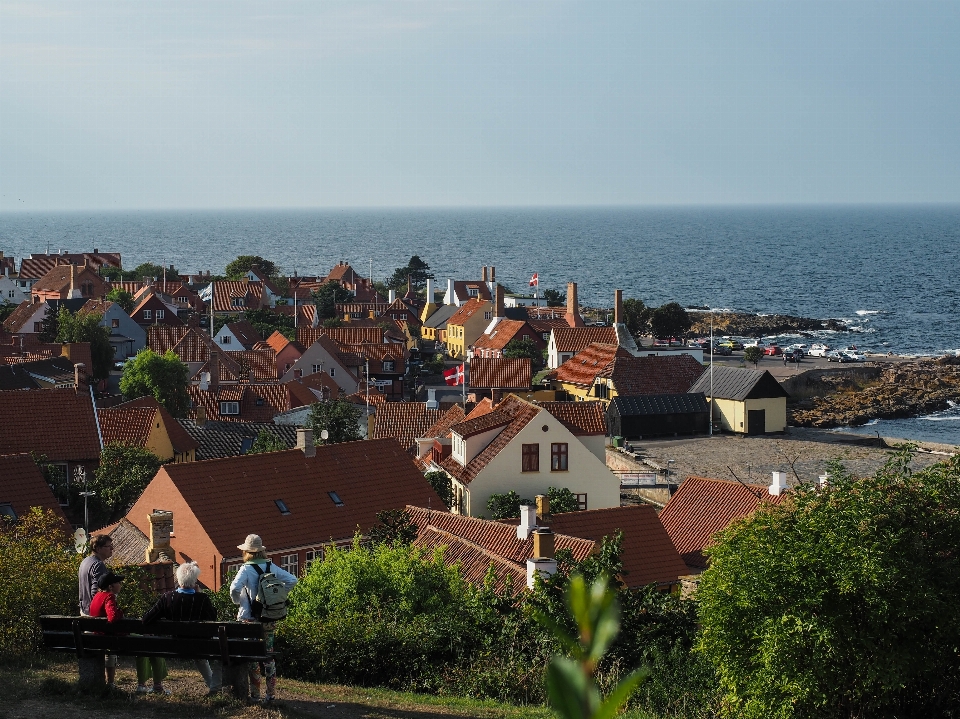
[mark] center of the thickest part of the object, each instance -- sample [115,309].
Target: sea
[889,272]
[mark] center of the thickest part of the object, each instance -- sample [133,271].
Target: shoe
[161,690]
[214,691]
[141,689]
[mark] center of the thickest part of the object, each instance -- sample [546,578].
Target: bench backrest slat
[157,646]
[234,630]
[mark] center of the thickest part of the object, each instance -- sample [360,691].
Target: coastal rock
[747,325]
[854,397]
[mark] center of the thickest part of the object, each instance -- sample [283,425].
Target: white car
[801,347]
[755,343]
[819,350]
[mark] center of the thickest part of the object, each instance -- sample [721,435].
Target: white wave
[869,312]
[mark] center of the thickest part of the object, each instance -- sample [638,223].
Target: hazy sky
[116,105]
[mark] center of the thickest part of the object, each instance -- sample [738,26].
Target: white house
[10,291]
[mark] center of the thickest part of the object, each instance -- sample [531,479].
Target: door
[756,421]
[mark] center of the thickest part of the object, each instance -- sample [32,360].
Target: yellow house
[746,401]
[466,325]
[146,424]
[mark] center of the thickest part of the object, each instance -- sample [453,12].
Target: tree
[396,528]
[520,349]
[505,506]
[327,296]
[122,298]
[267,441]
[636,316]
[669,320]
[149,269]
[114,274]
[267,322]
[753,354]
[6,309]
[562,500]
[340,418]
[841,601]
[122,475]
[49,325]
[442,485]
[555,298]
[244,263]
[416,269]
[163,377]
[87,328]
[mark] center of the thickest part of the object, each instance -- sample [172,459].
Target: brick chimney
[543,561]
[493,274]
[498,310]
[573,317]
[201,416]
[305,442]
[618,316]
[543,506]
[161,527]
[214,370]
[484,273]
[77,371]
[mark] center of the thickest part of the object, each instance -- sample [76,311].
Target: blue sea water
[891,272]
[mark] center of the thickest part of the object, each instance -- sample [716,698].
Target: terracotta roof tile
[216,440]
[181,441]
[500,373]
[161,338]
[482,407]
[129,543]
[441,428]
[468,310]
[225,291]
[127,425]
[652,375]
[20,316]
[583,367]
[306,336]
[58,423]
[483,423]
[576,339]
[581,418]
[245,332]
[36,266]
[263,364]
[369,477]
[503,333]
[404,421]
[472,560]
[23,486]
[701,507]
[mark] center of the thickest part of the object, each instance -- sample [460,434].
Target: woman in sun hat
[243,592]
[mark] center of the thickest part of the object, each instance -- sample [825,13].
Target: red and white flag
[535,280]
[455,375]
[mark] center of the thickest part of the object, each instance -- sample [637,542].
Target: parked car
[838,356]
[731,342]
[819,350]
[771,350]
[802,348]
[790,355]
[722,350]
[754,343]
[120,364]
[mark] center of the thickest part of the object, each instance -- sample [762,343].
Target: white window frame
[317,368]
[148,314]
[226,339]
[226,407]
[160,314]
[290,563]
[388,366]
[333,371]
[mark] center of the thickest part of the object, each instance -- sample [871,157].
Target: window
[147,314]
[317,368]
[531,458]
[488,315]
[282,506]
[160,314]
[473,292]
[311,556]
[237,302]
[114,323]
[36,326]
[526,337]
[600,389]
[290,563]
[336,498]
[333,371]
[226,339]
[229,408]
[581,500]
[546,336]
[388,366]
[10,293]
[558,457]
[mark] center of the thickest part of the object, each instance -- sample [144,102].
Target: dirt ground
[752,459]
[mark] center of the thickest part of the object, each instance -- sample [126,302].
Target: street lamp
[80,473]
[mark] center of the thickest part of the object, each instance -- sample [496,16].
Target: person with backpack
[260,591]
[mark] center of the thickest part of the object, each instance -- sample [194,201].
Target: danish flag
[455,375]
[535,280]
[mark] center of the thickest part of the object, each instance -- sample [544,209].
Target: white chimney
[429,291]
[305,442]
[543,561]
[779,484]
[392,296]
[528,521]
[450,299]
[432,399]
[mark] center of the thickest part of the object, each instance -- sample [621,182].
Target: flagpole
[463,381]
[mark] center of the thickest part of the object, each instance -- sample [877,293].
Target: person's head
[103,547]
[253,548]
[110,582]
[187,574]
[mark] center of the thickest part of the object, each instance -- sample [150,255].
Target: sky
[402,103]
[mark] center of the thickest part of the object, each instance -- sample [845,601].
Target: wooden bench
[234,644]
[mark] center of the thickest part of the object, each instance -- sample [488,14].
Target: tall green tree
[87,328]
[163,377]
[442,485]
[418,271]
[240,266]
[562,500]
[525,349]
[267,441]
[122,298]
[637,316]
[49,325]
[150,269]
[669,320]
[555,298]
[340,418]
[505,505]
[841,601]
[122,475]
[327,296]
[753,354]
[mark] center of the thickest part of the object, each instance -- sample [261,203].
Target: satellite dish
[80,541]
[324,435]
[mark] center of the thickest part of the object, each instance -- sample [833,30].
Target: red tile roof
[472,560]
[441,428]
[225,291]
[482,407]
[581,418]
[36,266]
[128,425]
[57,423]
[62,278]
[278,342]
[404,421]
[483,423]
[467,310]
[23,486]
[648,554]
[161,338]
[500,373]
[20,316]
[701,507]
[652,375]
[228,499]
[181,441]
[503,333]
[342,271]
[575,339]
[245,332]
[583,367]
[306,336]
[263,364]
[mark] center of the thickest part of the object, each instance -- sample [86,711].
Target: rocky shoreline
[747,325]
[907,389]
